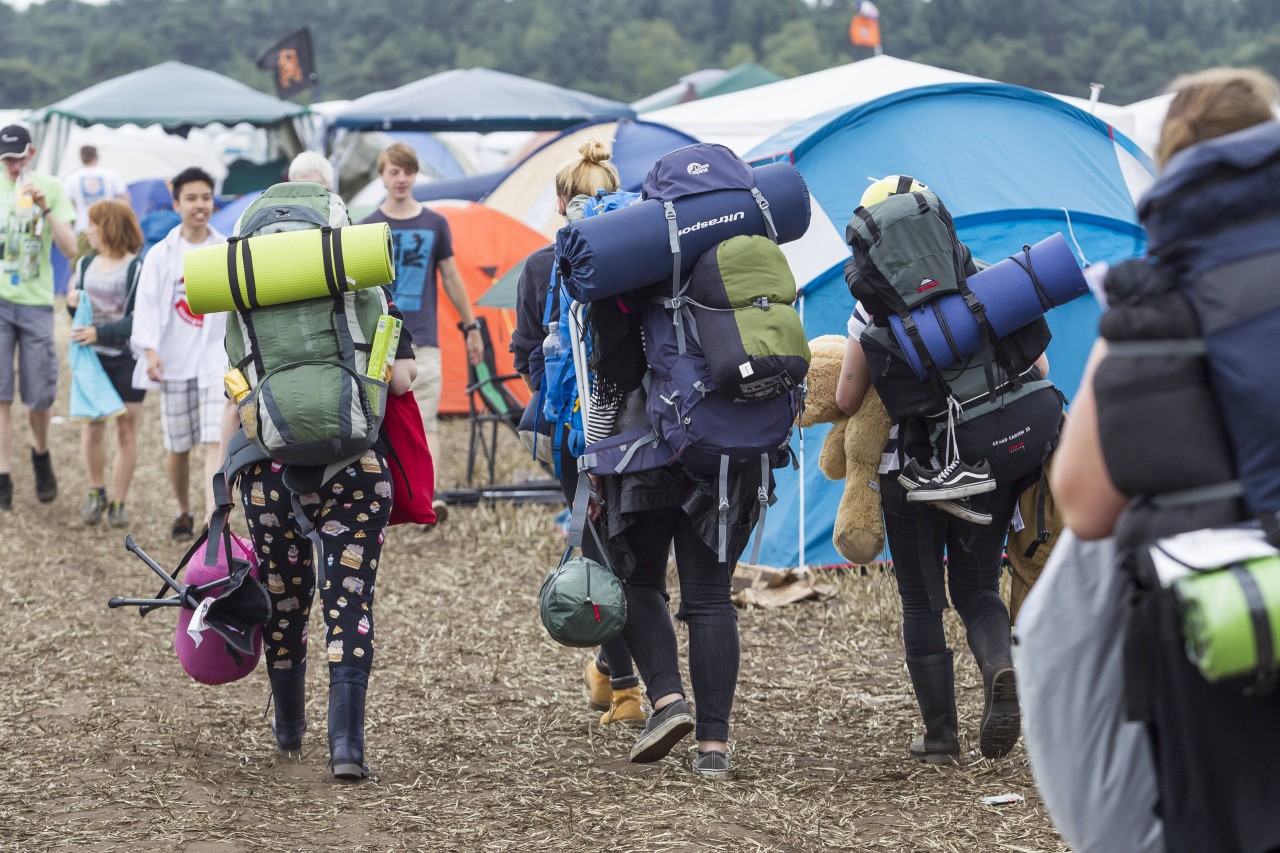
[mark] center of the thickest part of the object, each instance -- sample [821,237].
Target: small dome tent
[1012,165]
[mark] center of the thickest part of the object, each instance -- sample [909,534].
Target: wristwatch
[469,327]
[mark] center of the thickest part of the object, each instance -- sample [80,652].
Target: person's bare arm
[64,237]
[457,293]
[403,372]
[1080,482]
[855,378]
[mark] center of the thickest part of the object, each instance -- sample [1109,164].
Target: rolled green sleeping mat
[288,266]
[1231,618]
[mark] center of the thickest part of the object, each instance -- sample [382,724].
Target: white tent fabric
[137,153]
[742,120]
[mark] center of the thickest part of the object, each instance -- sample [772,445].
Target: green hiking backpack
[993,405]
[307,398]
[741,295]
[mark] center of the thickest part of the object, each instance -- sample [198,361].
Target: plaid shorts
[190,414]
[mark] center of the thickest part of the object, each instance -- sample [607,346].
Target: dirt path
[478,730]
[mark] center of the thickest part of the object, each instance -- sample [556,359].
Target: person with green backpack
[313,465]
[955,544]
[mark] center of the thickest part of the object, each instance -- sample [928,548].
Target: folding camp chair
[491,404]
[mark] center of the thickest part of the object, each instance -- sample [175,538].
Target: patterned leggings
[350,511]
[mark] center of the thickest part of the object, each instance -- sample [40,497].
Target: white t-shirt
[182,347]
[858,322]
[89,184]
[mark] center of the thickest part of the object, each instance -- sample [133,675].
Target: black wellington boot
[288,689]
[933,678]
[347,687]
[989,639]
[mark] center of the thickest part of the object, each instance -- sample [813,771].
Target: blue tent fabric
[476,99]
[224,219]
[434,156]
[93,397]
[1013,166]
[469,188]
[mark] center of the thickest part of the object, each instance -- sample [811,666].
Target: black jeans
[613,655]
[704,606]
[918,535]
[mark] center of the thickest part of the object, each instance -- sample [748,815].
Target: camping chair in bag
[491,405]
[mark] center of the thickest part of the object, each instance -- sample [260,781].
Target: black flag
[292,63]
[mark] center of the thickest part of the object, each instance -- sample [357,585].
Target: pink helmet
[221,640]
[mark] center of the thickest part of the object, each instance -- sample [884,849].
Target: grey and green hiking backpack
[740,294]
[995,404]
[311,401]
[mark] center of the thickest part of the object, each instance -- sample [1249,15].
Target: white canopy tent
[742,120]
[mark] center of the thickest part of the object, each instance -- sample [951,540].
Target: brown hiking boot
[625,708]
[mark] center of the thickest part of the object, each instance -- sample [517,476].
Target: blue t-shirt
[419,244]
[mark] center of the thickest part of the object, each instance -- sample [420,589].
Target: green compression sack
[582,603]
[305,363]
[741,294]
[1231,618]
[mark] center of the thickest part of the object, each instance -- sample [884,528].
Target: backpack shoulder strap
[82,266]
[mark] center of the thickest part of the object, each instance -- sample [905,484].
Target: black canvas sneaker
[957,480]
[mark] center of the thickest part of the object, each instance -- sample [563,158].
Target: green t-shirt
[30,282]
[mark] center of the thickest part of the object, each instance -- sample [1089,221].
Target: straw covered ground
[478,730]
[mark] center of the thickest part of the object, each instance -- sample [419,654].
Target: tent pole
[800,432]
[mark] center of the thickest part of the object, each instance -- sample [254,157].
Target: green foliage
[628,48]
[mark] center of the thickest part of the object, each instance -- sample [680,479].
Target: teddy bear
[850,452]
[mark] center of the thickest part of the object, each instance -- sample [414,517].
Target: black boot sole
[1001,718]
[348,770]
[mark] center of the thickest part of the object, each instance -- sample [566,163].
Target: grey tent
[476,99]
[174,95]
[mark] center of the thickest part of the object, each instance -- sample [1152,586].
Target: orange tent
[486,244]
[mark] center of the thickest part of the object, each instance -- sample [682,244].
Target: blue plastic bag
[93,397]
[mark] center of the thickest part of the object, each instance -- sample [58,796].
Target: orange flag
[864,29]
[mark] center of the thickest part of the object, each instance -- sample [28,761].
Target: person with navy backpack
[612,684]
[1173,449]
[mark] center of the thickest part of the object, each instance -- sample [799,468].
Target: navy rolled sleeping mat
[605,256]
[1010,294]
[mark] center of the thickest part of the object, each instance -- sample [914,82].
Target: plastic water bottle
[552,345]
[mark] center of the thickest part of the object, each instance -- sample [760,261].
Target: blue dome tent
[1012,165]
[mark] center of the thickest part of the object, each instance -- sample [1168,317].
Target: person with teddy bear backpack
[970,533]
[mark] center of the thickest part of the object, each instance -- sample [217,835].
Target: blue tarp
[1013,166]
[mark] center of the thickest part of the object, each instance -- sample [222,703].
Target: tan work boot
[625,708]
[600,693]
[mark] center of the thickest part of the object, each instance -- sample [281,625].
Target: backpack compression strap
[676,303]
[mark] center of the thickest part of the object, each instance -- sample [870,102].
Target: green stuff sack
[272,269]
[1231,618]
[306,397]
[741,295]
[582,603]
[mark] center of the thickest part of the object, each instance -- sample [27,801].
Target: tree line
[626,49]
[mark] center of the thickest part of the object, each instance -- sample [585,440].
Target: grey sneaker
[116,516]
[663,731]
[94,506]
[713,763]
[441,509]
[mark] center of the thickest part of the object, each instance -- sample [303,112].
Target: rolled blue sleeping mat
[630,247]
[1008,294]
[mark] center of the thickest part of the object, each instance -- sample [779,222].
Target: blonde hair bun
[595,151]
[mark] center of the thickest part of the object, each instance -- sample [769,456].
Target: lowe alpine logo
[723,220]
[926,284]
[698,168]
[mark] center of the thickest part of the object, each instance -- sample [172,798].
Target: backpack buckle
[762,302]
